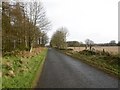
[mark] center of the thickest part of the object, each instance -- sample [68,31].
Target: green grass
[105,62]
[25,71]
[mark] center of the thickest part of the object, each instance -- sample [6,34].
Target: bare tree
[89,43]
[37,17]
[22,25]
[112,42]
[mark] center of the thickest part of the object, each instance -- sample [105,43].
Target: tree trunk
[25,41]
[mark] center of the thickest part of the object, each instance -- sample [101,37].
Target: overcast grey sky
[93,19]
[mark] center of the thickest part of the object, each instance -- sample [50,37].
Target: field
[110,49]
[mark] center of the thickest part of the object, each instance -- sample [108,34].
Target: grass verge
[38,74]
[21,72]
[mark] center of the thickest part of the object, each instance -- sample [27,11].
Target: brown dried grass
[110,49]
[27,54]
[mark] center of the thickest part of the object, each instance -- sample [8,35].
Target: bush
[70,49]
[87,52]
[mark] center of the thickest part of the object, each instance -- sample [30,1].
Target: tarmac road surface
[61,71]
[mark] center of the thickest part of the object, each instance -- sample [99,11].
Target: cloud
[84,18]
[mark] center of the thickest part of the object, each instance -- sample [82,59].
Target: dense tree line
[111,43]
[24,25]
[89,44]
[0,26]
[74,44]
[119,43]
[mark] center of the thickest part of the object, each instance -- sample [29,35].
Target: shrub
[70,49]
[87,52]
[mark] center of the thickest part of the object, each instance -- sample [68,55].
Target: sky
[93,19]
[85,19]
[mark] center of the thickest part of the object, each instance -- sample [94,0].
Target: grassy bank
[101,60]
[20,72]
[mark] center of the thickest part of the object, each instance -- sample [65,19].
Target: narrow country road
[61,71]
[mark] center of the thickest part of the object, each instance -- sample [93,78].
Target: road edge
[107,71]
[38,73]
